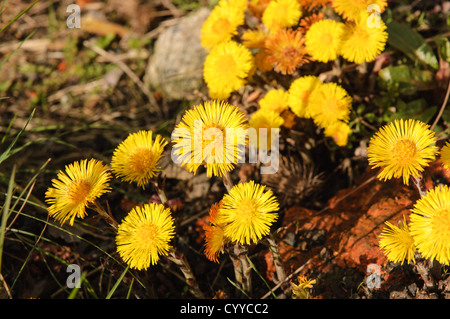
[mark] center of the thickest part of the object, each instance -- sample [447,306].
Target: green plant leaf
[411,43]
[417,109]
[443,47]
[407,79]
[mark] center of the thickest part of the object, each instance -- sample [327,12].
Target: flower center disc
[227,65]
[403,151]
[248,209]
[222,25]
[141,160]
[146,235]
[79,191]
[327,39]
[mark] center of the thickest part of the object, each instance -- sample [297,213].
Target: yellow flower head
[262,62]
[257,7]
[214,235]
[254,39]
[248,212]
[324,40]
[144,235]
[308,21]
[430,224]
[397,242]
[361,43]
[80,185]
[329,103]
[311,4]
[285,51]
[339,132]
[445,155]
[353,9]
[226,68]
[281,14]
[402,149]
[136,158]
[300,291]
[221,25]
[214,135]
[264,121]
[299,93]
[275,100]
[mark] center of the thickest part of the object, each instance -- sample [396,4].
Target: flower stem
[418,182]
[227,181]
[105,215]
[278,263]
[161,193]
[242,269]
[182,263]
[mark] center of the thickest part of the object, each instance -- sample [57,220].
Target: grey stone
[176,66]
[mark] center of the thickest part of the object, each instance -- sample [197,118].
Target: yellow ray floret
[397,242]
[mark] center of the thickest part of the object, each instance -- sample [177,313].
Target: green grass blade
[260,276]
[113,289]
[6,153]
[19,15]
[6,213]
[238,288]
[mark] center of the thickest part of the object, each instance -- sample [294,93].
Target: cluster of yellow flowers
[248,36]
[403,149]
[243,216]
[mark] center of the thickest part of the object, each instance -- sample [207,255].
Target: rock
[176,66]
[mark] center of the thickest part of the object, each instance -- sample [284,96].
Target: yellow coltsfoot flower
[324,40]
[214,234]
[213,134]
[280,14]
[285,51]
[397,242]
[299,93]
[76,188]
[136,159]
[248,212]
[353,9]
[362,43]
[445,155]
[222,23]
[144,235]
[402,149]
[226,68]
[329,103]
[430,224]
